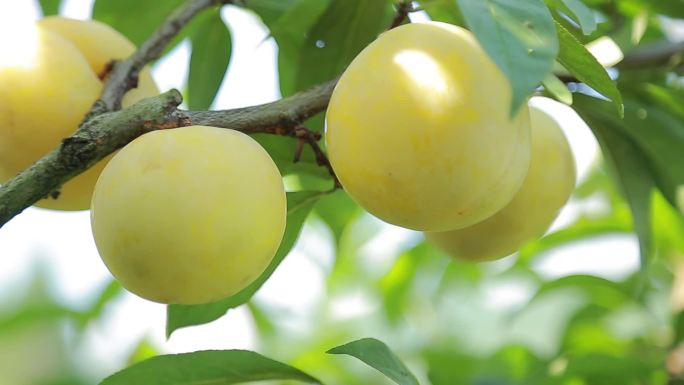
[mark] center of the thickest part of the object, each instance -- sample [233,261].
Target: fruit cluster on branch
[105,128]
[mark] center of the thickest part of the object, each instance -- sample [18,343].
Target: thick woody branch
[281,115]
[96,139]
[103,134]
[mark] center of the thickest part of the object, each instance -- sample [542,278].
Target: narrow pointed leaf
[211,48]
[378,356]
[584,66]
[210,367]
[631,168]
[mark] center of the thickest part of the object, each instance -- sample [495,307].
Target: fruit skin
[45,99]
[419,130]
[547,187]
[189,215]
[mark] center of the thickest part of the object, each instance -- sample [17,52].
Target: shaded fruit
[547,187]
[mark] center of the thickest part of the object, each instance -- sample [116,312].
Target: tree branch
[652,54]
[123,75]
[403,8]
[307,136]
[103,134]
[280,115]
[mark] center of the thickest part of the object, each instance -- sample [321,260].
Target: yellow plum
[420,132]
[189,215]
[547,187]
[46,88]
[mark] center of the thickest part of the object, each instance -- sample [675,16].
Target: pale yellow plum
[99,43]
[47,88]
[420,133]
[189,215]
[547,187]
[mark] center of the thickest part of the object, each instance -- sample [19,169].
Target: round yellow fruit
[47,84]
[419,130]
[547,187]
[189,215]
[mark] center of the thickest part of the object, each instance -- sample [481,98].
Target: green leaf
[269,10]
[672,8]
[337,210]
[443,10]
[678,326]
[584,66]
[584,228]
[108,293]
[398,285]
[660,110]
[211,367]
[282,150]
[556,88]
[133,18]
[377,355]
[50,7]
[299,204]
[519,36]
[339,34]
[629,165]
[290,31]
[598,368]
[579,12]
[600,291]
[512,364]
[211,48]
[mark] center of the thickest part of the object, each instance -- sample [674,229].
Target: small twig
[123,74]
[651,54]
[403,8]
[298,150]
[312,139]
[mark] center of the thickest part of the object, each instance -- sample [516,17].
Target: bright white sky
[62,241]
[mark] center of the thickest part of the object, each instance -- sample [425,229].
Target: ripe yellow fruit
[47,84]
[547,187]
[189,215]
[419,130]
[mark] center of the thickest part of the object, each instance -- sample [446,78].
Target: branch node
[312,138]
[107,69]
[403,8]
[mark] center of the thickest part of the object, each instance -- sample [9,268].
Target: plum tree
[47,91]
[420,131]
[423,131]
[188,215]
[547,186]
